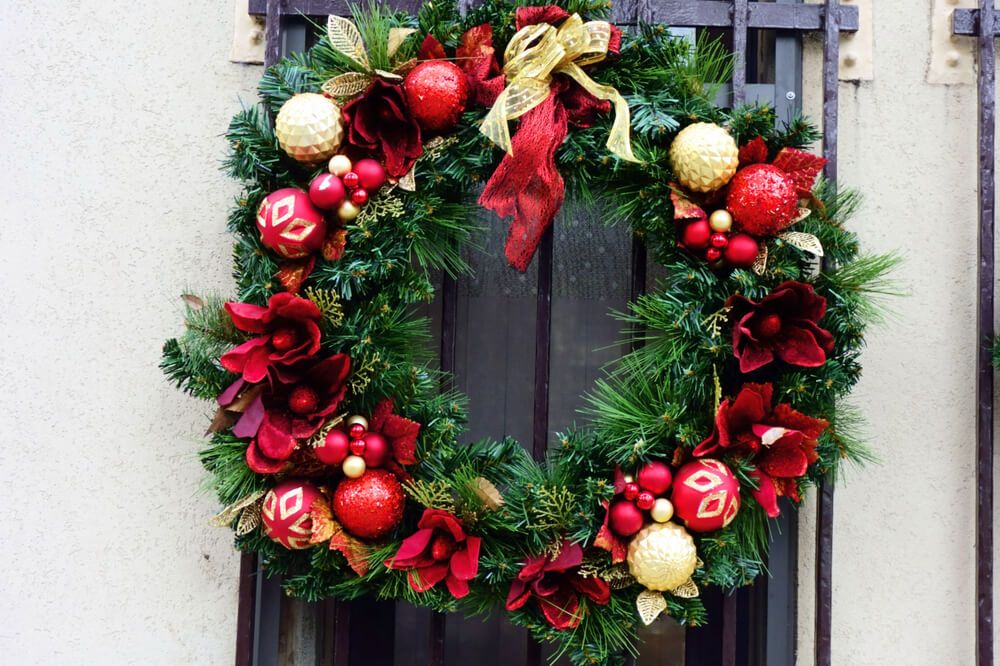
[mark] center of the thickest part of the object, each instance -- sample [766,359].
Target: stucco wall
[112,114]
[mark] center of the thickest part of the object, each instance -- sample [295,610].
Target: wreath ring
[335,447]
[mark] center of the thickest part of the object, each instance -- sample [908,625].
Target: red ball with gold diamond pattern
[706,495]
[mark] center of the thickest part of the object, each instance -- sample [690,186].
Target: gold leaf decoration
[345,37]
[396,38]
[618,577]
[687,590]
[225,517]
[408,182]
[488,493]
[249,518]
[803,241]
[650,604]
[347,84]
[388,76]
[324,525]
[760,263]
[803,214]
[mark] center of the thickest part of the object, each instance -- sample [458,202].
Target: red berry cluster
[355,450]
[714,239]
[628,510]
[347,187]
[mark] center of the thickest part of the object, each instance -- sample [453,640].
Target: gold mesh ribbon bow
[534,55]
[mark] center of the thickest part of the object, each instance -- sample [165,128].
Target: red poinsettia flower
[780,441]
[379,119]
[400,431]
[439,550]
[556,585]
[293,409]
[287,332]
[784,324]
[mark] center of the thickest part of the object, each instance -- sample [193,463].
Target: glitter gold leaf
[803,241]
[345,37]
[249,518]
[760,263]
[347,84]
[687,590]
[396,38]
[650,604]
[225,517]
[488,493]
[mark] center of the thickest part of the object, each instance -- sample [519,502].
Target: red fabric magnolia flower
[288,332]
[439,550]
[379,119]
[784,324]
[292,410]
[780,441]
[556,585]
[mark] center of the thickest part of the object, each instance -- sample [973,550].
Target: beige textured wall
[112,114]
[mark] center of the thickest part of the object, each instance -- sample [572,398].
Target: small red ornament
[436,92]
[357,431]
[713,254]
[376,449]
[351,180]
[371,174]
[631,491]
[762,200]
[289,224]
[625,518]
[442,547]
[359,197]
[303,400]
[326,191]
[358,447]
[645,500]
[696,235]
[370,506]
[284,339]
[720,240]
[706,495]
[287,513]
[742,251]
[655,477]
[334,448]
[768,326]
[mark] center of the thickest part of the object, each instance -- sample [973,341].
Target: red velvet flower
[400,431]
[379,119]
[291,411]
[784,324]
[780,441]
[288,332]
[556,585]
[439,550]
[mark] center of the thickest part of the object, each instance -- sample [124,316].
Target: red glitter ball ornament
[762,200]
[359,197]
[625,519]
[436,92]
[371,505]
[352,179]
[334,448]
[289,223]
[742,251]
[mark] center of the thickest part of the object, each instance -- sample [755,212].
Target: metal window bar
[791,20]
[984,24]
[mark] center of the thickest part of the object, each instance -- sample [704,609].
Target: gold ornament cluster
[309,128]
[704,157]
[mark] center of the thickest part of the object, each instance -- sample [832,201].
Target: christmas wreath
[336,447]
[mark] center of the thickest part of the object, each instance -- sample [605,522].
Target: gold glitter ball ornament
[662,556]
[309,128]
[704,157]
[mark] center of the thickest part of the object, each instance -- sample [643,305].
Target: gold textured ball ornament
[309,128]
[704,157]
[662,556]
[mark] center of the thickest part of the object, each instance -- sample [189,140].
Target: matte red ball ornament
[334,447]
[762,200]
[327,191]
[696,235]
[645,500]
[625,519]
[713,254]
[358,447]
[371,174]
[655,477]
[359,197]
[436,92]
[286,513]
[370,506]
[742,251]
[631,491]
[289,224]
[303,400]
[706,495]
[720,240]
[352,179]
[376,449]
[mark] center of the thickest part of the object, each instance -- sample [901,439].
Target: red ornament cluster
[347,187]
[627,514]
